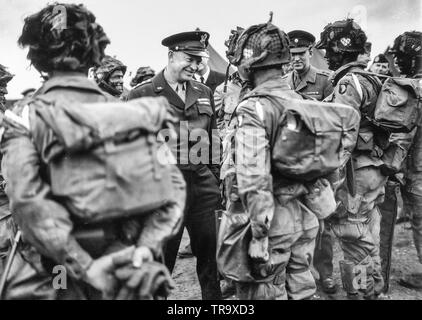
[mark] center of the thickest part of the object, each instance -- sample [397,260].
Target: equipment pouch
[365,141]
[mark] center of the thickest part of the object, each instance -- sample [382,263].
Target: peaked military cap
[380,59]
[300,41]
[193,42]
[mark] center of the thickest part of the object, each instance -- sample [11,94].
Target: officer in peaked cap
[193,104]
[193,43]
[305,78]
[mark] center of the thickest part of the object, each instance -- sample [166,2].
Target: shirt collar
[173,85]
[205,76]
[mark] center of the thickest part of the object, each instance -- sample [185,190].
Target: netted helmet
[343,36]
[5,76]
[142,74]
[260,46]
[63,37]
[408,43]
[107,67]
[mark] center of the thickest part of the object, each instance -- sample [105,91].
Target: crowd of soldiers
[255,228]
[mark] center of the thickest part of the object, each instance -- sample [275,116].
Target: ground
[404,260]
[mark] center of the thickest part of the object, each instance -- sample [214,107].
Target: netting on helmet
[142,74]
[68,39]
[343,36]
[5,76]
[408,43]
[107,67]
[260,46]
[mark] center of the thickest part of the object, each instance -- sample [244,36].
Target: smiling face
[183,66]
[116,80]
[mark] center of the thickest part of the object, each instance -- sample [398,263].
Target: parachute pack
[104,159]
[314,139]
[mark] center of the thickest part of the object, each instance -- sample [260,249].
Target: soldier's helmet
[107,67]
[260,46]
[5,76]
[343,36]
[408,43]
[63,37]
[142,74]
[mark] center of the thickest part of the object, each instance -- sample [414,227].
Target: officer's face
[380,68]
[116,80]
[183,66]
[301,60]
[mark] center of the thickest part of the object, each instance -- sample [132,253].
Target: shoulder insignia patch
[343,88]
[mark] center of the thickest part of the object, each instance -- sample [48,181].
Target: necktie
[202,79]
[180,90]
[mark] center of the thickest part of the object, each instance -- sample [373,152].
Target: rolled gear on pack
[314,139]
[105,161]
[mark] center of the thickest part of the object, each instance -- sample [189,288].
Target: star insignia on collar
[296,40]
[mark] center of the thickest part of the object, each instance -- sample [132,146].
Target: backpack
[104,160]
[314,138]
[398,105]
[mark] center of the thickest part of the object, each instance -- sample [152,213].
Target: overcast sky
[136,27]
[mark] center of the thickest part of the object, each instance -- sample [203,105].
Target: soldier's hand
[100,273]
[258,249]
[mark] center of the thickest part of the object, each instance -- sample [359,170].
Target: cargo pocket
[365,141]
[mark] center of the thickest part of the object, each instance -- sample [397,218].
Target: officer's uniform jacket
[315,83]
[196,115]
[45,222]
[270,201]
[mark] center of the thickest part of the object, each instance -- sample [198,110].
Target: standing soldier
[407,51]
[357,221]
[91,251]
[274,261]
[193,104]
[315,83]
[305,78]
[109,76]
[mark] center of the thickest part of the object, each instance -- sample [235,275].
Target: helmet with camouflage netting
[107,67]
[63,37]
[408,43]
[343,36]
[261,46]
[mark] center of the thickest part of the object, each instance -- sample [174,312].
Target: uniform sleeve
[134,94]
[253,168]
[44,222]
[347,93]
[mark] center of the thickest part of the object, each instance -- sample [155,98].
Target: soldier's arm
[348,92]
[44,222]
[253,168]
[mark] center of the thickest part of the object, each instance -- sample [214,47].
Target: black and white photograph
[219,151]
